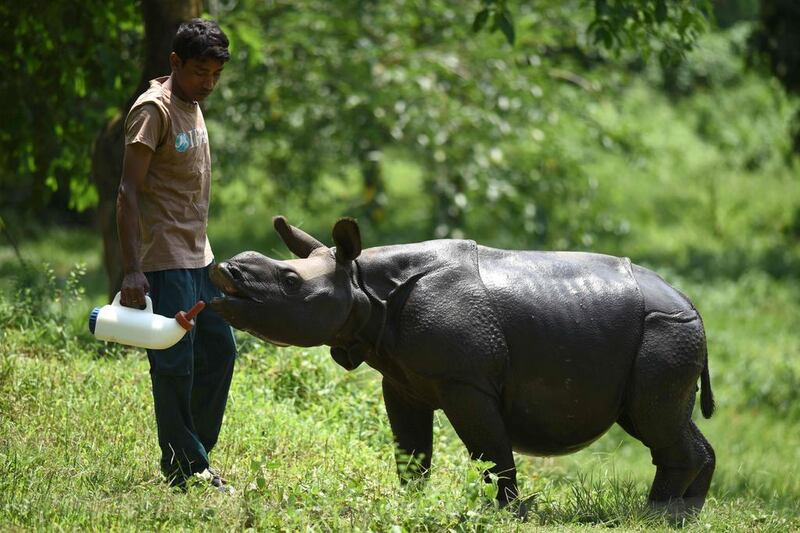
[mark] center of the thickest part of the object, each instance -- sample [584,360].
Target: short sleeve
[144,125]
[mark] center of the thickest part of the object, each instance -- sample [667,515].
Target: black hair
[201,38]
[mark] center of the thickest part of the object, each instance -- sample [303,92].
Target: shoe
[212,477]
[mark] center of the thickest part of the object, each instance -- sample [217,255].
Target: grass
[308,444]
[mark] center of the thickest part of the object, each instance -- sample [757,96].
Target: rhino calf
[537,352]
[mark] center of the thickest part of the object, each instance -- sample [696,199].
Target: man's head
[199,52]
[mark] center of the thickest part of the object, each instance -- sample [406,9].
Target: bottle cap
[93,319]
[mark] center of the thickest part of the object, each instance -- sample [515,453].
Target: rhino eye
[291,282]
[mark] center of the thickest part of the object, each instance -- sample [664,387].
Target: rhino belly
[573,324]
[549,418]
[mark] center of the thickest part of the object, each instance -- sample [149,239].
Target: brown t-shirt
[173,201]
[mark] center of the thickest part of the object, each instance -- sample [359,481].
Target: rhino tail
[706,396]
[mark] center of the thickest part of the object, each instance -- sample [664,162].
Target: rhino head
[310,301]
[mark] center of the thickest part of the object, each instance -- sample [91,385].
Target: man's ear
[348,240]
[298,241]
[175,61]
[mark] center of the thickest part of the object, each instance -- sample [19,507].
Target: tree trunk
[161,21]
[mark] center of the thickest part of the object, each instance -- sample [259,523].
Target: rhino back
[573,323]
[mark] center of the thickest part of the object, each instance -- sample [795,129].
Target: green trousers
[192,378]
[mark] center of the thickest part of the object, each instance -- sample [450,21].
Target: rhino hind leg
[695,495]
[658,411]
[683,474]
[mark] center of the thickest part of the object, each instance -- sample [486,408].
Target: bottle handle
[148,303]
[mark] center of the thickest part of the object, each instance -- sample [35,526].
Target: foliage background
[675,149]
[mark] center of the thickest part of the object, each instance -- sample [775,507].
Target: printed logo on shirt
[190,139]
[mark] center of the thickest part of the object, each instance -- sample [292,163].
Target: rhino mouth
[235,298]
[226,280]
[222,278]
[235,305]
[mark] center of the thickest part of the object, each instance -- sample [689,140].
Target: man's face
[196,77]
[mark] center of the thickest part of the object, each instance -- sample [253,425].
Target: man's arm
[134,169]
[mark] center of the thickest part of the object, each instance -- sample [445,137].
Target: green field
[308,445]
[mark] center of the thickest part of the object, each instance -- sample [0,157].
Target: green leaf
[480,20]
[505,24]
[600,7]
[665,58]
[661,11]
[79,82]
[602,35]
[490,490]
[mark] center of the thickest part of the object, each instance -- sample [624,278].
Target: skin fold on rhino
[535,352]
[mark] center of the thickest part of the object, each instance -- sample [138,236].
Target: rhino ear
[348,240]
[298,241]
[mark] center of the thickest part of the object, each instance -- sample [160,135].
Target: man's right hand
[134,287]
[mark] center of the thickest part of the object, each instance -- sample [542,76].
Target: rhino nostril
[235,272]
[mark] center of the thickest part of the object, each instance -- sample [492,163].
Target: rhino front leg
[477,419]
[412,426]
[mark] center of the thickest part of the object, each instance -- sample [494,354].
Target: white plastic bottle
[140,327]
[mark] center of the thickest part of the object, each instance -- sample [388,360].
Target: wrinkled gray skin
[537,352]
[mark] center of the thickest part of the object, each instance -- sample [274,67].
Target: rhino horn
[298,241]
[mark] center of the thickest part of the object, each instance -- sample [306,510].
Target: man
[162,212]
